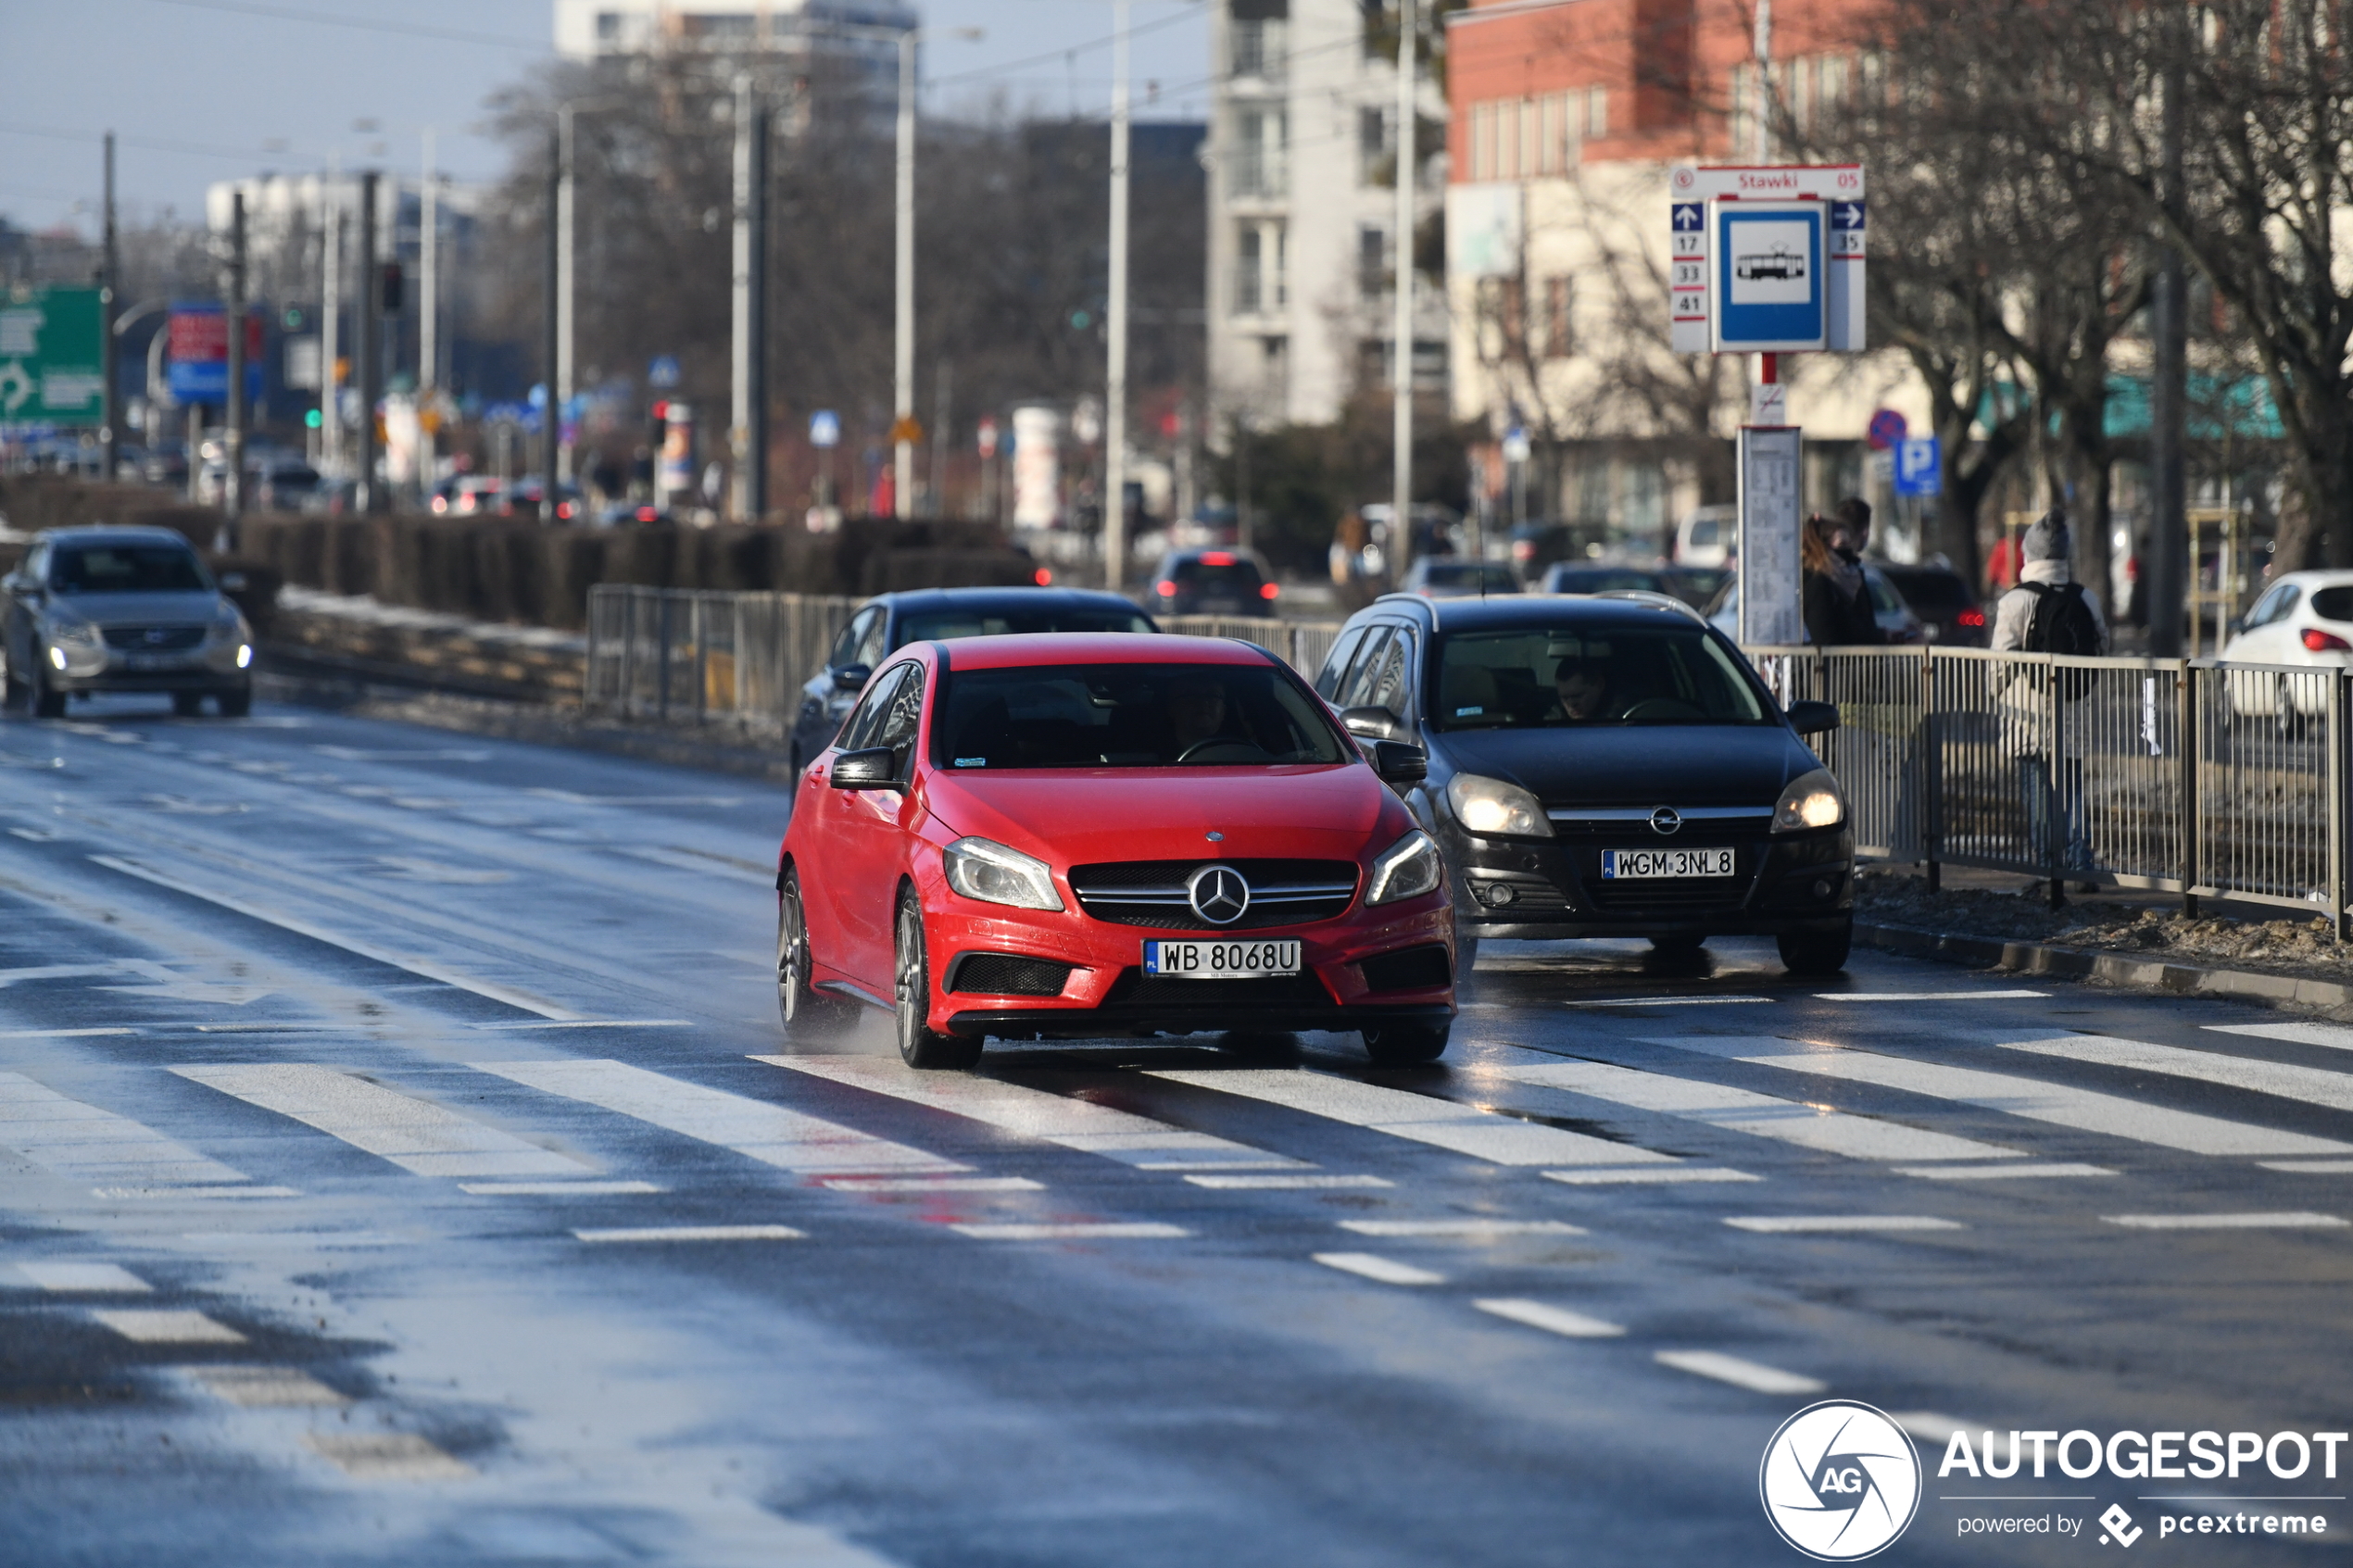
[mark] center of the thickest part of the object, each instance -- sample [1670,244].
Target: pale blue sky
[205,90]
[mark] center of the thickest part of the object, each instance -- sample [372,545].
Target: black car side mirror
[1373,724]
[1399,763]
[875,768]
[851,677]
[1810,718]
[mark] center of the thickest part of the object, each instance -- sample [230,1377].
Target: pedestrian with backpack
[2048,612]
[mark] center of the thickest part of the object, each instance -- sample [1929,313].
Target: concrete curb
[2109,969]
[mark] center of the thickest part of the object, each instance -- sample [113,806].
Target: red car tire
[921,1046]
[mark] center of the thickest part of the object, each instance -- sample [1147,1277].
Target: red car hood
[1068,818]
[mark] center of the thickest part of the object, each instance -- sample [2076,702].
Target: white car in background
[2305,619]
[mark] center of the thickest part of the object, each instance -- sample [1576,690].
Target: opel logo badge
[155,634]
[1666,820]
[1218,893]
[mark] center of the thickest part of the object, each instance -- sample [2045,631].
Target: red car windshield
[1130,716]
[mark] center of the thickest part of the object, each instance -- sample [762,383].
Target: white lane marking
[1081,1124]
[1552,1319]
[414,1134]
[85,1143]
[790,1140]
[555,1189]
[413,962]
[2286,1220]
[1463,1129]
[324,1240]
[1745,1111]
[1106,1231]
[2000,1172]
[267,1387]
[2336,1036]
[932,1184]
[1373,1266]
[199,1192]
[511,1026]
[1660,1176]
[1751,1375]
[1667,1002]
[2313,1086]
[1925,996]
[61,1277]
[1461,1229]
[2083,1109]
[357,754]
[59,1033]
[694,1233]
[385,1456]
[2310,1167]
[1803,1224]
[163,1326]
[1279,1182]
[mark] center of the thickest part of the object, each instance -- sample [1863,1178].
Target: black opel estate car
[1604,766]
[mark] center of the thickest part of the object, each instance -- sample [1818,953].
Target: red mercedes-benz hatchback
[1075,835]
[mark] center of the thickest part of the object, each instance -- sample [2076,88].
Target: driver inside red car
[1196,711]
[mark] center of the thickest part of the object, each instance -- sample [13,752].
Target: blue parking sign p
[1919,463]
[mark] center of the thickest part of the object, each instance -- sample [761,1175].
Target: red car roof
[1093,648]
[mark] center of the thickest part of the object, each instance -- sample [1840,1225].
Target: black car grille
[1135,988]
[1152,892]
[1005,975]
[155,639]
[1409,969]
[1634,831]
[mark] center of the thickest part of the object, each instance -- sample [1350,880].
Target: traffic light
[311,419]
[293,318]
[393,290]
[661,423]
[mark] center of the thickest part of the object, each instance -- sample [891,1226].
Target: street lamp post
[902,377]
[1401,489]
[1115,321]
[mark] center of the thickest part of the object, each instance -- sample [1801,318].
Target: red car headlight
[983,869]
[1407,869]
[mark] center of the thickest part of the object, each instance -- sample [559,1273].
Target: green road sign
[52,357]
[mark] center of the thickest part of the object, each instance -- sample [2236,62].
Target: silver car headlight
[75,632]
[1407,869]
[983,869]
[227,626]
[1812,800]
[1488,807]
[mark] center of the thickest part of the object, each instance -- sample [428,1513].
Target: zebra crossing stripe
[414,1134]
[83,1143]
[2312,1086]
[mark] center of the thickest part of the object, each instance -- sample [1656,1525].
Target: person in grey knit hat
[2048,611]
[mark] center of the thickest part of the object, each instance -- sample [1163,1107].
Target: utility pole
[366,370]
[902,489]
[1401,484]
[111,350]
[559,385]
[1764,105]
[331,336]
[429,283]
[1115,321]
[2168,579]
[551,404]
[748,436]
[232,491]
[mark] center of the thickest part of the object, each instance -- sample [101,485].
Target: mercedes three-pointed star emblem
[1218,893]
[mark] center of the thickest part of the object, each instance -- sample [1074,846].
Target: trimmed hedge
[504,569]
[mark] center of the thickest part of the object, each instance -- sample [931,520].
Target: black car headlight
[1407,869]
[983,869]
[1489,807]
[1812,800]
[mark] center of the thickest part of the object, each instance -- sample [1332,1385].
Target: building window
[1372,261]
[608,27]
[1260,163]
[1259,268]
[1596,113]
[1558,342]
[1259,41]
[1376,164]
[1831,88]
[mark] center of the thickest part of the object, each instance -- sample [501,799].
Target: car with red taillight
[1214,582]
[2302,621]
[1081,836]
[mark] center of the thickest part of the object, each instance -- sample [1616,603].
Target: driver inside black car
[1582,683]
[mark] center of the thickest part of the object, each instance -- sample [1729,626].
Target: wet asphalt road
[401,1164]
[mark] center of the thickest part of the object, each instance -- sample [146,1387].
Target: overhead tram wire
[978,73]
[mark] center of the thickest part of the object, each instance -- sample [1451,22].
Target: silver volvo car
[122,609]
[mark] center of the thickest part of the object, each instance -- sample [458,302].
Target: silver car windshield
[127,569]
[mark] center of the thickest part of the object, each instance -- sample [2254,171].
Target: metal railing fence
[2176,776]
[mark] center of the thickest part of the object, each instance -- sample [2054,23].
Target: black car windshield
[1212,573]
[1563,677]
[1130,716]
[997,623]
[126,569]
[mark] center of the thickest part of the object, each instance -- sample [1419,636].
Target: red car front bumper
[1106,992]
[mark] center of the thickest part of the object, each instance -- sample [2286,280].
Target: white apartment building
[857,38]
[1302,209]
